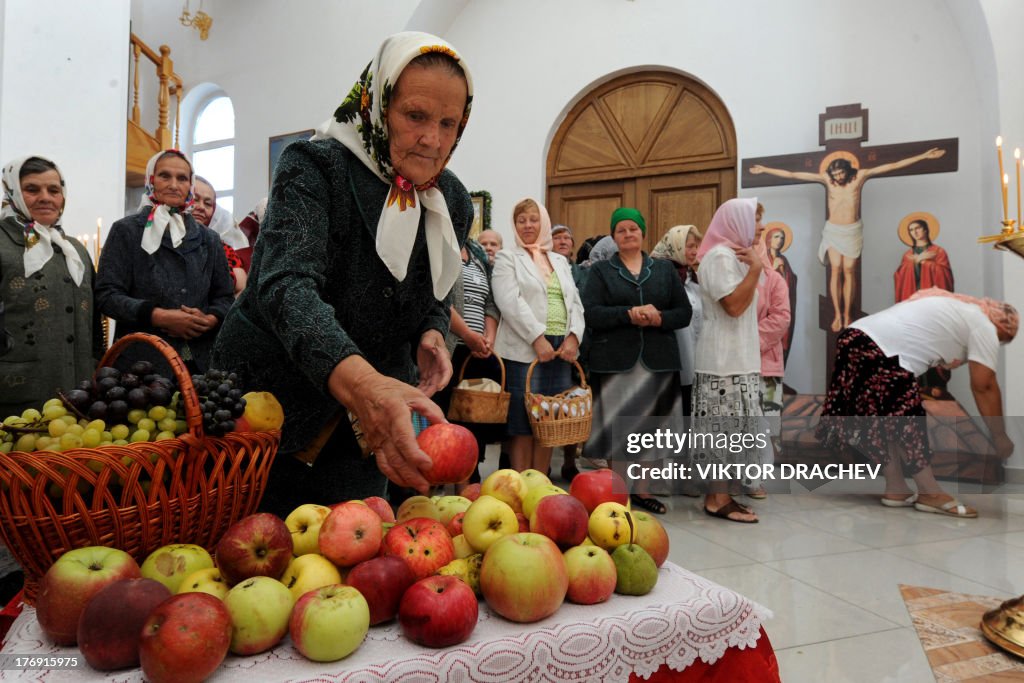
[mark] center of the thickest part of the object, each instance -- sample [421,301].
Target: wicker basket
[485,407]
[561,419]
[137,497]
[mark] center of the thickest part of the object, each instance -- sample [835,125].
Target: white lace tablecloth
[684,618]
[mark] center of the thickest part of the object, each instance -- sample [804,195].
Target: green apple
[329,623]
[635,570]
[309,572]
[449,506]
[487,520]
[536,493]
[304,523]
[260,608]
[534,478]
[172,563]
[207,581]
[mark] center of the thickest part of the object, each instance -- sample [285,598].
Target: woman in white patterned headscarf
[46,282]
[360,246]
[161,273]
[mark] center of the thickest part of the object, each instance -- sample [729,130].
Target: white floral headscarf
[162,217]
[39,238]
[360,123]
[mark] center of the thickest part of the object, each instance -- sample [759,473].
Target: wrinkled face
[562,243]
[777,240]
[692,246]
[43,196]
[205,203]
[491,242]
[628,235]
[172,180]
[528,226]
[423,120]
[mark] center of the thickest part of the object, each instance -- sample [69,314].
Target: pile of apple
[324,575]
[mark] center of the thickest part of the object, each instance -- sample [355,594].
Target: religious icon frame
[481,212]
[276,145]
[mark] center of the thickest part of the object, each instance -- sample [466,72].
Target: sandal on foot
[907,502]
[951,508]
[732,508]
[650,504]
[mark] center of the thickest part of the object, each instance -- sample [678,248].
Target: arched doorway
[656,140]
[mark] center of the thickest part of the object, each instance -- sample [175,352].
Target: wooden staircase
[142,144]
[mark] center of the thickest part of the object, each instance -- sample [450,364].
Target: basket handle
[529,374]
[501,364]
[193,416]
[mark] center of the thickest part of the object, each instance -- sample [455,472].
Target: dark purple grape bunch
[112,393]
[220,399]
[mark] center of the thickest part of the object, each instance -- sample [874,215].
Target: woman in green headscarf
[633,306]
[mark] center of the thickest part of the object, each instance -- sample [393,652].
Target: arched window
[213,148]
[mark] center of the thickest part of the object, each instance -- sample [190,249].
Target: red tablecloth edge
[747,665]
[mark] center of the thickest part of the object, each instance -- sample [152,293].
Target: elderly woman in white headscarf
[161,273]
[350,276]
[46,281]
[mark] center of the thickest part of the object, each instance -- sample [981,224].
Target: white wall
[65,98]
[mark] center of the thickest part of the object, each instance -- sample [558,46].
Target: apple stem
[632,528]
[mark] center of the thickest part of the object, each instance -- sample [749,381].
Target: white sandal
[907,502]
[951,508]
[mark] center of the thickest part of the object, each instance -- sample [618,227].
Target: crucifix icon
[843,168]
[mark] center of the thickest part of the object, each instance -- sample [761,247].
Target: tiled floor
[829,566]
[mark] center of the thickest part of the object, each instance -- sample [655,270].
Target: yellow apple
[205,581]
[487,520]
[534,478]
[536,493]
[608,526]
[417,506]
[462,547]
[309,572]
[507,486]
[304,523]
[172,563]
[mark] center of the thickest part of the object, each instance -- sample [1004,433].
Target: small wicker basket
[561,419]
[137,497]
[485,407]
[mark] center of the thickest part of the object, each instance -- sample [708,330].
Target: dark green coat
[318,293]
[53,324]
[615,344]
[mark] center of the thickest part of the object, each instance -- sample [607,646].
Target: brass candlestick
[1004,626]
[1010,238]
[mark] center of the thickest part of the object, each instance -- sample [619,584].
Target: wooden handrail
[170,84]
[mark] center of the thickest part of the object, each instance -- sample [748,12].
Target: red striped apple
[185,639]
[421,543]
[351,534]
[453,450]
[257,545]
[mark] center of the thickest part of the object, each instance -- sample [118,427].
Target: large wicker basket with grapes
[134,494]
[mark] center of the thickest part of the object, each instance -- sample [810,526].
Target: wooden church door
[655,140]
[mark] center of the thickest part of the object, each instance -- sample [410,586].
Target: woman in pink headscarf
[878,359]
[541,318]
[727,380]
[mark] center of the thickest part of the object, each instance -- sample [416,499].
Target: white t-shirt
[936,330]
[727,345]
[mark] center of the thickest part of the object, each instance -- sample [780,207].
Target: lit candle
[99,227]
[1006,205]
[1002,174]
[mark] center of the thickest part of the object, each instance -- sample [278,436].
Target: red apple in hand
[438,611]
[421,543]
[599,486]
[382,581]
[452,448]
[111,624]
[563,519]
[72,581]
[351,534]
[257,545]
[185,639]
